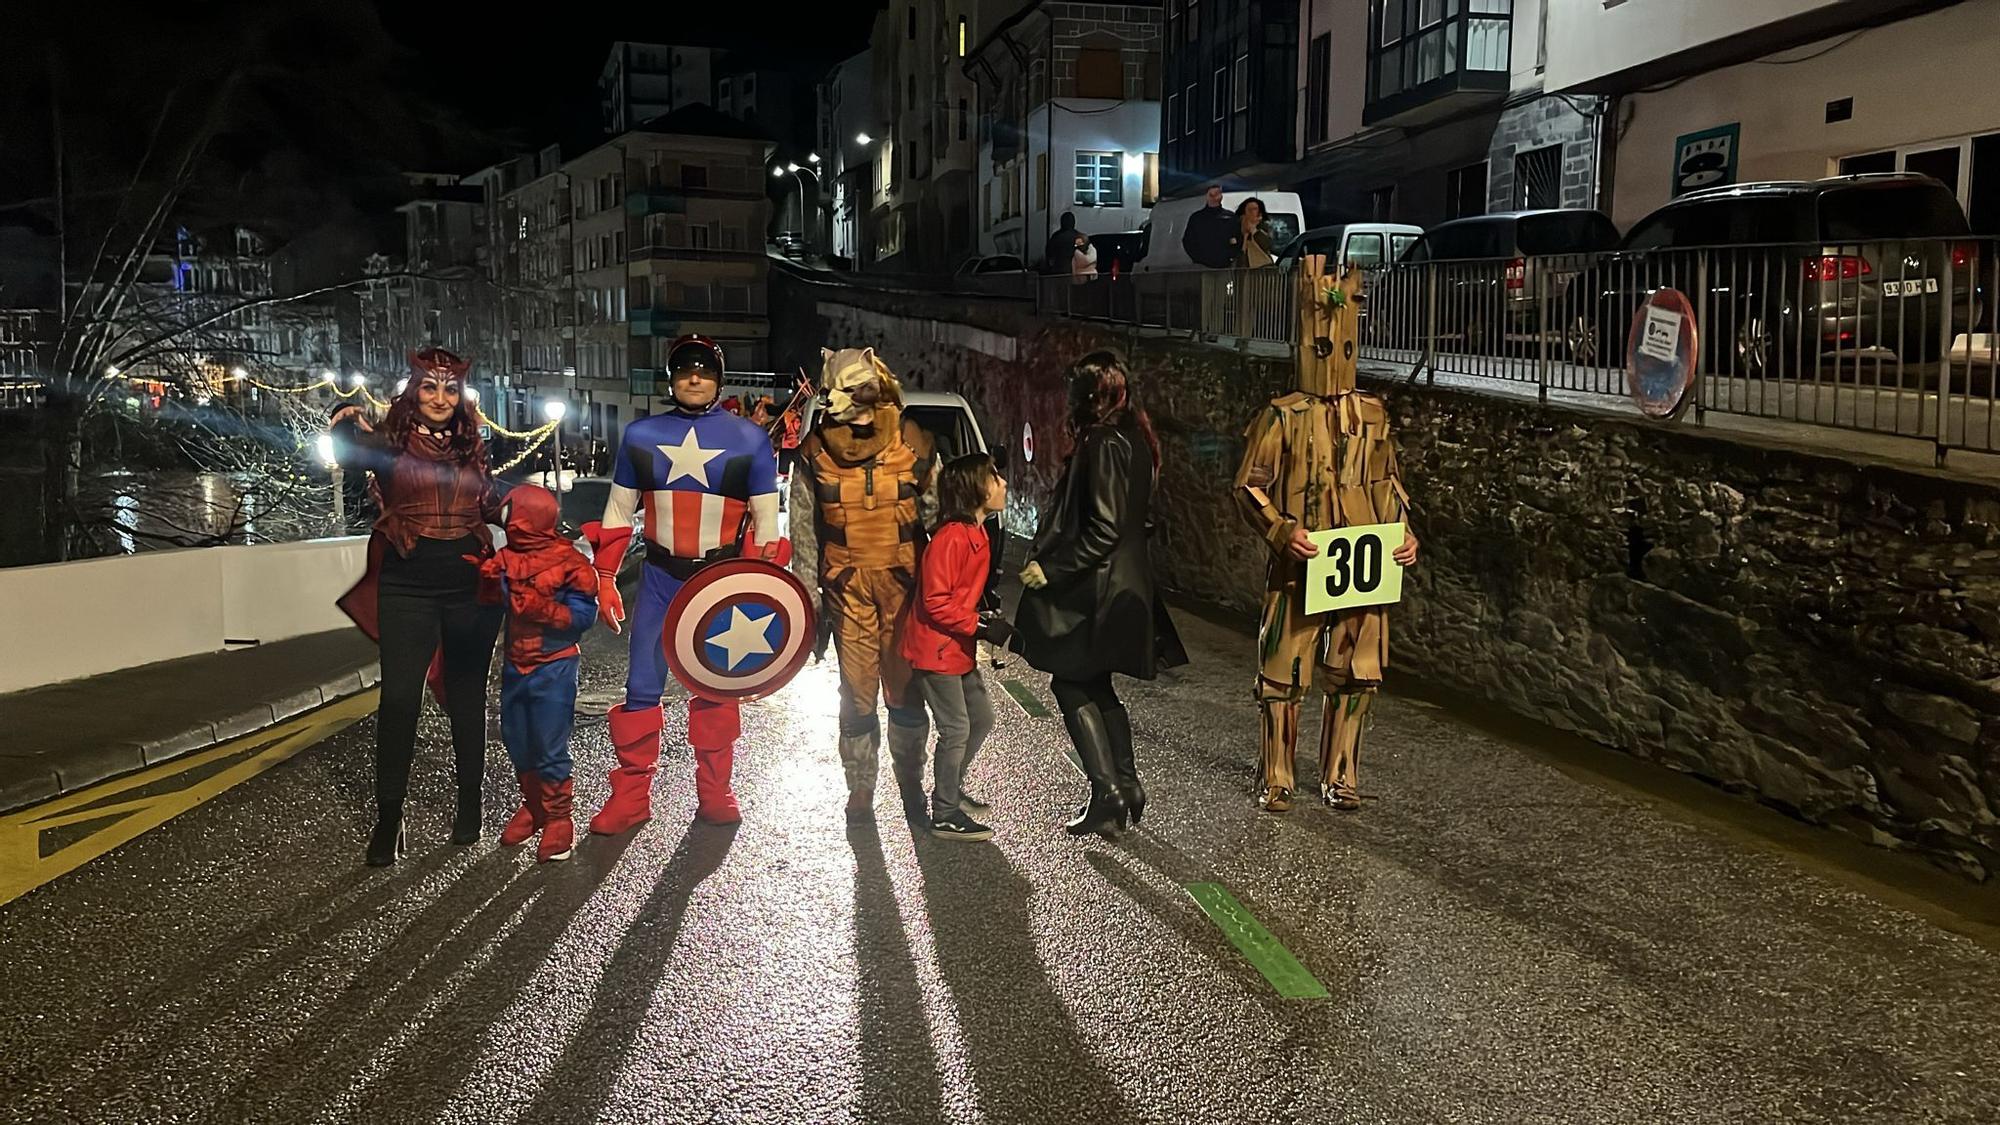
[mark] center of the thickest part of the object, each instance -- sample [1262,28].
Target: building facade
[641,81]
[1421,111]
[1228,105]
[925,185]
[849,132]
[1712,92]
[1069,121]
[27,338]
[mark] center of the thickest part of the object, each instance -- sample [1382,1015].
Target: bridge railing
[1883,337]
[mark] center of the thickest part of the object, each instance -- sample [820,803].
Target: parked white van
[1353,244]
[1282,210]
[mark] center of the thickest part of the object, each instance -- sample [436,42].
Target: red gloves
[778,552]
[607,551]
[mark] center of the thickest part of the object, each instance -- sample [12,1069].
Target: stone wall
[1820,633]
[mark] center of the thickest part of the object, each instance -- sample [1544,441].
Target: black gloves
[994,630]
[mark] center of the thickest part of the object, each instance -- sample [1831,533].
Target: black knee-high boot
[1118,725]
[1093,746]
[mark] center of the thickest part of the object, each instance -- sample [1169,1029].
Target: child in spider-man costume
[551,592]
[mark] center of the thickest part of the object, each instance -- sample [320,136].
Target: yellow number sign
[1354,568]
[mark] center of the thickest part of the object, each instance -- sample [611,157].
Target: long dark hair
[1100,391]
[962,486]
[466,446]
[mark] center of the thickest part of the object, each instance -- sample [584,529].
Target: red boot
[558,832]
[715,802]
[636,736]
[712,731]
[528,817]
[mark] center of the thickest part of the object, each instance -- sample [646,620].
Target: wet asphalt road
[1500,942]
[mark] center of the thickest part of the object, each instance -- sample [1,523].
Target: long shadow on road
[577,1085]
[898,1077]
[445,1056]
[379,1003]
[1028,1058]
[183,1006]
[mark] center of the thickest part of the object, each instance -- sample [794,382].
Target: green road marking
[1027,701]
[1251,939]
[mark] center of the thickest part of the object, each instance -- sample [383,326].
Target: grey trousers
[963,716]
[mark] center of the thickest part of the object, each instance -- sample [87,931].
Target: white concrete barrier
[64,621]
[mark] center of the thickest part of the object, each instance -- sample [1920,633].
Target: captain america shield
[738,630]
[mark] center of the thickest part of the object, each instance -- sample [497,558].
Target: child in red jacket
[938,636]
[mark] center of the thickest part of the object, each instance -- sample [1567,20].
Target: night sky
[534,79]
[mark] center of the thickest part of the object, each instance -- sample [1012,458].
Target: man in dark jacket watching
[1062,244]
[1212,234]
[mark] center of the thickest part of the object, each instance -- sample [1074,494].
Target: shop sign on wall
[1705,159]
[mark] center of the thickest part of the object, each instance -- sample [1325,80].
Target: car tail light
[1517,274]
[1963,254]
[1837,267]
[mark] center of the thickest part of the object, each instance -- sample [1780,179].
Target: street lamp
[553,410]
[326,454]
[797,170]
[812,158]
[776,174]
[863,139]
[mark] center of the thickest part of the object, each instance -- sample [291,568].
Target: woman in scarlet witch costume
[422,597]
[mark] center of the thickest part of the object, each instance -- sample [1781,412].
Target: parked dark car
[1493,270]
[1122,251]
[1785,274]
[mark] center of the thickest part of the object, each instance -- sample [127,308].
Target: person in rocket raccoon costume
[864,471]
[1318,458]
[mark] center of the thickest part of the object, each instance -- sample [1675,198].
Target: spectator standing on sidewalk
[1254,250]
[1213,237]
[1083,261]
[1062,244]
[938,639]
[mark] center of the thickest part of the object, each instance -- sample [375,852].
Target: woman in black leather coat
[1090,607]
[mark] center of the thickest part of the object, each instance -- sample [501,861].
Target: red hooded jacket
[551,587]
[938,635]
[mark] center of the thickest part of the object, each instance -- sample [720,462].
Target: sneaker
[959,826]
[972,804]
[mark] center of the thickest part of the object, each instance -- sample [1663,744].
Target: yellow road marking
[23,867]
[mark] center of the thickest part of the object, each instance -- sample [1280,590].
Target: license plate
[1914,287]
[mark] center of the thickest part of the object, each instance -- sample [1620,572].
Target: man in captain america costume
[706,482]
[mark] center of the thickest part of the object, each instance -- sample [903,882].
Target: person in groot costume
[1320,457]
[865,476]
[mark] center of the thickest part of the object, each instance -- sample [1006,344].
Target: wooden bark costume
[1318,458]
[864,484]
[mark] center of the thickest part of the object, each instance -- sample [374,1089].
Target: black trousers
[431,597]
[1074,695]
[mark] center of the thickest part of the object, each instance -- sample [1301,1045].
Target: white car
[991,263]
[950,420]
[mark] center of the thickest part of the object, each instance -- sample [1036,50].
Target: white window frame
[1099,194]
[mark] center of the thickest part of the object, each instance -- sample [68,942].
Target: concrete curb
[91,765]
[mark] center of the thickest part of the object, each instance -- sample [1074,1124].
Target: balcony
[667,323]
[1435,59]
[660,200]
[663,252]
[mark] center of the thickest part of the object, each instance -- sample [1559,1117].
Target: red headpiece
[438,362]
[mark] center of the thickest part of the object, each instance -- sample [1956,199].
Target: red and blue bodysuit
[551,595]
[702,486]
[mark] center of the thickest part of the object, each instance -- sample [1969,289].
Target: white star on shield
[744,637]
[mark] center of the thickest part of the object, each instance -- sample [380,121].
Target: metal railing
[1890,337]
[1240,306]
